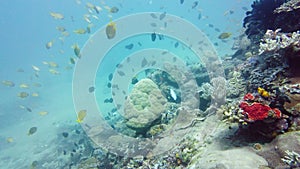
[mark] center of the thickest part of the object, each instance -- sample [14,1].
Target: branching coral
[275,40]
[292,159]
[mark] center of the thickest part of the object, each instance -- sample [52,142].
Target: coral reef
[144,105]
[275,40]
[261,18]
[292,159]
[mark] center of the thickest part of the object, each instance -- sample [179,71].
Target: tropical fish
[23,95]
[176,44]
[153,36]
[49,44]
[76,50]
[110,76]
[81,115]
[9,139]
[111,30]
[72,60]
[24,86]
[52,64]
[65,134]
[173,94]
[121,73]
[129,47]
[53,71]
[162,16]
[224,35]
[8,83]
[80,31]
[31,131]
[181,1]
[35,68]
[144,62]
[263,92]
[43,113]
[34,94]
[91,89]
[61,29]
[195,4]
[114,10]
[56,15]
[153,16]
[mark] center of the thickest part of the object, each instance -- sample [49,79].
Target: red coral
[255,111]
[249,96]
[258,111]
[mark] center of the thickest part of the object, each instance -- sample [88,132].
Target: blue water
[26,27]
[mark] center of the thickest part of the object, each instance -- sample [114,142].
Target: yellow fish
[8,83]
[53,71]
[24,86]
[80,31]
[34,94]
[23,95]
[224,35]
[263,92]
[9,139]
[43,113]
[81,115]
[56,15]
[111,30]
[49,44]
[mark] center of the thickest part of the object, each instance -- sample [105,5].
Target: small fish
[65,134]
[23,95]
[195,4]
[244,8]
[24,86]
[211,25]
[72,60]
[53,71]
[224,35]
[34,94]
[109,85]
[31,131]
[181,1]
[153,36]
[64,152]
[52,64]
[134,80]
[162,16]
[61,29]
[153,24]
[199,15]
[173,94]
[81,115]
[80,31]
[111,30]
[114,10]
[49,44]
[121,73]
[176,44]
[91,89]
[153,16]
[129,47]
[144,63]
[43,113]
[217,30]
[110,76]
[9,139]
[76,50]
[97,9]
[56,15]
[35,68]
[160,36]
[8,83]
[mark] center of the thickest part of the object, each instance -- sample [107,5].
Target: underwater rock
[144,105]
[228,159]
[276,150]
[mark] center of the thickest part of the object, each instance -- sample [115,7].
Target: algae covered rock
[229,159]
[144,105]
